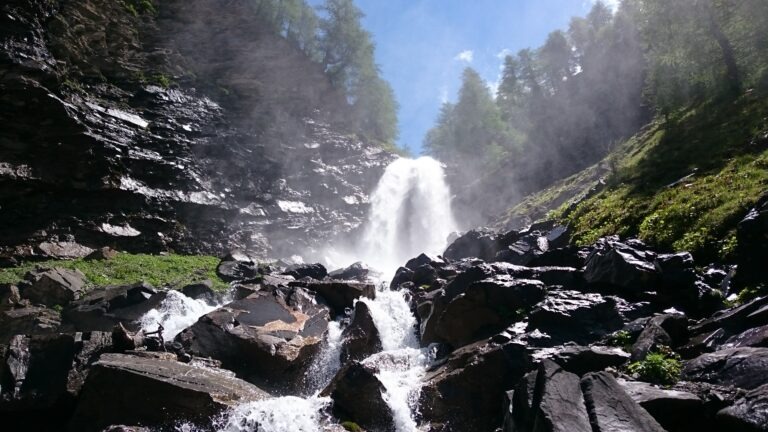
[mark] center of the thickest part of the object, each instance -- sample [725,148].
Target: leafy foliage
[661,367]
[351,426]
[159,270]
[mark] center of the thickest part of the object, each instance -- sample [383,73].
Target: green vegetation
[683,184]
[172,271]
[351,426]
[621,339]
[661,367]
[137,7]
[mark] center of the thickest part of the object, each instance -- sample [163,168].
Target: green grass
[351,426]
[173,271]
[661,367]
[643,197]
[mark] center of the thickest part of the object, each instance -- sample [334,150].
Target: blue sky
[422,46]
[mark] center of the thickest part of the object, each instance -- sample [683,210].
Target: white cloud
[503,53]
[465,56]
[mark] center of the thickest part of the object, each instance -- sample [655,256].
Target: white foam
[176,312]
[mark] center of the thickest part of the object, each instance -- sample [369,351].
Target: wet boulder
[748,414]
[611,409]
[339,295]
[467,390]
[619,266]
[202,290]
[269,337]
[358,397]
[402,275]
[548,400]
[356,272]
[476,243]
[746,368]
[56,286]
[573,316]
[752,248]
[435,262]
[102,308]
[29,320]
[314,271]
[487,307]
[237,266]
[360,337]
[157,393]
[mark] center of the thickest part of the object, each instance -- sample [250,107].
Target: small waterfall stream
[410,214]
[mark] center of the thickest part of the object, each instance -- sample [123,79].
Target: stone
[748,414]
[573,316]
[746,368]
[474,244]
[63,250]
[675,410]
[580,359]
[736,319]
[314,271]
[103,308]
[356,272]
[360,338]
[202,290]
[30,320]
[56,286]
[9,296]
[751,250]
[102,254]
[611,409]
[402,275]
[754,337]
[268,338]
[468,389]
[238,267]
[358,396]
[156,393]
[621,267]
[340,295]
[487,307]
[670,330]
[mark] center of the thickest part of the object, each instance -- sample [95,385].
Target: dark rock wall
[194,129]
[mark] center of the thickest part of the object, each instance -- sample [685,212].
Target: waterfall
[175,313]
[410,214]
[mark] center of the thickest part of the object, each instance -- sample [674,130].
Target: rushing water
[410,214]
[175,313]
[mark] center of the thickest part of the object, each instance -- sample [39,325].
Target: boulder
[670,330]
[402,275]
[239,267]
[339,295]
[43,374]
[62,250]
[30,320]
[573,316]
[102,254]
[746,368]
[548,400]
[621,267]
[200,291]
[748,414]
[736,319]
[468,389]
[752,248]
[610,409]
[10,296]
[424,259]
[314,271]
[675,410]
[357,272]
[754,337]
[487,307]
[476,243]
[428,313]
[580,359]
[102,308]
[156,393]
[56,286]
[269,337]
[358,397]
[361,337]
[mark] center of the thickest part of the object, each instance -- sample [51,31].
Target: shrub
[351,426]
[660,367]
[621,339]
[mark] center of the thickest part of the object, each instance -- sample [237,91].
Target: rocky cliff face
[190,129]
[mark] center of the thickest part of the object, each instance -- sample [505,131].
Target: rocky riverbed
[522,332]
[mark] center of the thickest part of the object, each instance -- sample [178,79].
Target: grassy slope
[172,271]
[723,144]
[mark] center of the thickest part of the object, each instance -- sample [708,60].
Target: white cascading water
[175,313]
[410,214]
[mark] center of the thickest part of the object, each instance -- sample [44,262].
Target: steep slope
[191,128]
[680,184]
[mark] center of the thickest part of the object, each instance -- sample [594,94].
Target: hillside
[680,184]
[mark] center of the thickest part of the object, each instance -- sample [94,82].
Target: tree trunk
[729,57]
